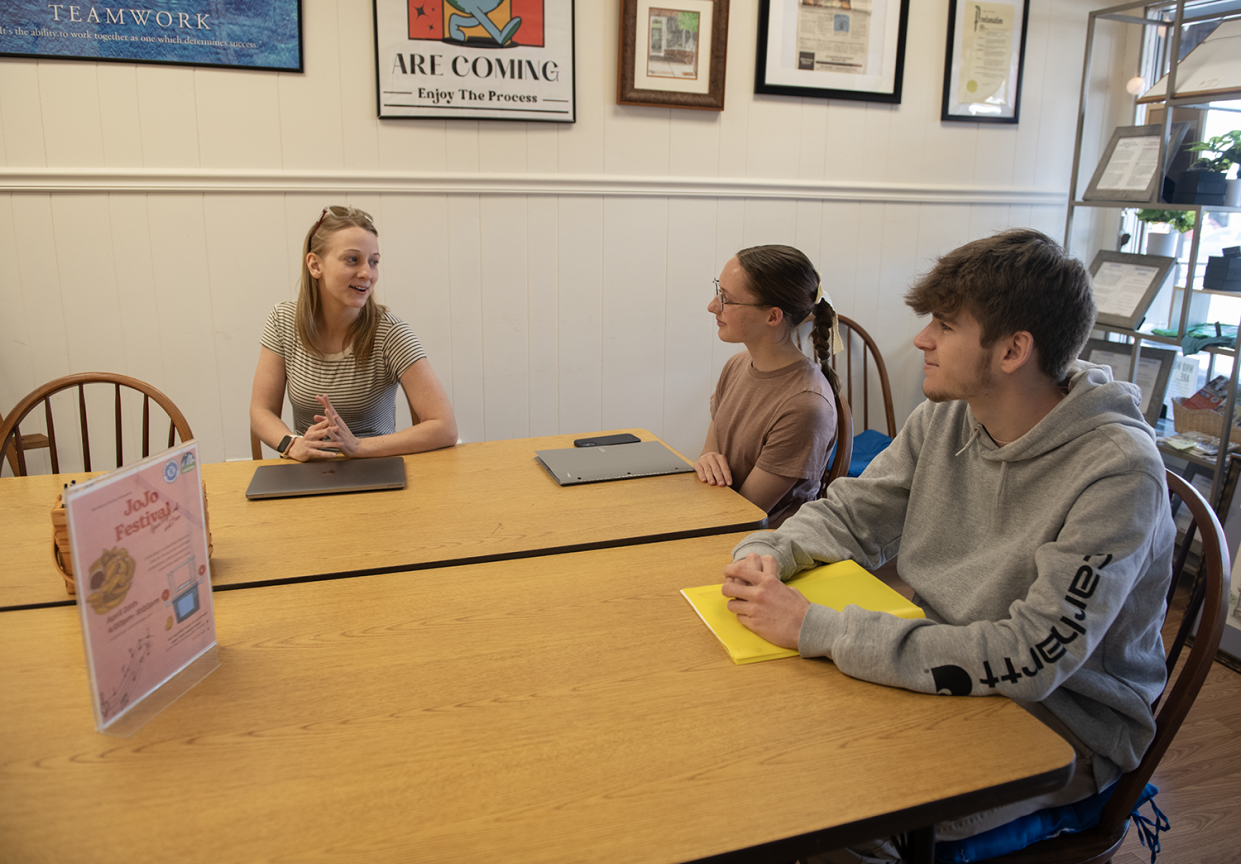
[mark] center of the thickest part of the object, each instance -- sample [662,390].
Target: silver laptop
[327,477]
[575,465]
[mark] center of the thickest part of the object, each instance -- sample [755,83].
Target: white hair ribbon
[838,344]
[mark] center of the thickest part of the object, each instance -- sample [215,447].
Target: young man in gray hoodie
[1028,503]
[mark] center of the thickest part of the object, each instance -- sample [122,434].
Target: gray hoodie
[1041,565]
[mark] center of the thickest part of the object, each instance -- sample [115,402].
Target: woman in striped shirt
[341,355]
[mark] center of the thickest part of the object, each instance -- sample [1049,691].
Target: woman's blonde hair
[361,333]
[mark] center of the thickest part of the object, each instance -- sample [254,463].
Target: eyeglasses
[724,301]
[340,212]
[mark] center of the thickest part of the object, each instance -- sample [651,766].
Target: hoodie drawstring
[973,437]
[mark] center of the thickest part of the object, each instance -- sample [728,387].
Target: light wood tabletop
[472,502]
[568,708]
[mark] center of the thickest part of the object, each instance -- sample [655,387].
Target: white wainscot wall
[541,314]
[558,275]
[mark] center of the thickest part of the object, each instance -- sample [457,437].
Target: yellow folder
[838,585]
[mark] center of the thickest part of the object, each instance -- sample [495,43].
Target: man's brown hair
[1016,280]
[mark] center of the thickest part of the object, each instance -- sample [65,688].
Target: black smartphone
[601,440]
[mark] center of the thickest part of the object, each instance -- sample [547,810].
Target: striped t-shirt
[364,396]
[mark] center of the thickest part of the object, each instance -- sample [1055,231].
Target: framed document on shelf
[1125,285]
[1210,71]
[1130,169]
[986,52]
[1154,367]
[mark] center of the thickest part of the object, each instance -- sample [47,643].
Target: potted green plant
[1223,156]
[1206,180]
[1167,241]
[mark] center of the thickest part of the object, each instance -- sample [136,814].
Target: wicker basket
[63,557]
[1201,420]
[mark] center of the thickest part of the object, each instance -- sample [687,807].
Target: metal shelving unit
[1184,12]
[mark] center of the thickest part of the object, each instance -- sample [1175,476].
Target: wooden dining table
[472,502]
[564,708]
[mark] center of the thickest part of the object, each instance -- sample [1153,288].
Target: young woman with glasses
[773,415]
[341,356]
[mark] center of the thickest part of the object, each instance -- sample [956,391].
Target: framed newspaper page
[475,59]
[672,53]
[986,53]
[832,49]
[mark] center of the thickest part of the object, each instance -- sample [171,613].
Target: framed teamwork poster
[140,561]
[832,49]
[475,59]
[236,34]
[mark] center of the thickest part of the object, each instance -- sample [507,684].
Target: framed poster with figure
[475,59]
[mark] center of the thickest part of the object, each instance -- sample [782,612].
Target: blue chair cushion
[866,446]
[1041,825]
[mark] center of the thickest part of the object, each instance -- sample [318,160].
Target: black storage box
[1196,187]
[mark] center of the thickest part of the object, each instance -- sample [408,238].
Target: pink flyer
[143,578]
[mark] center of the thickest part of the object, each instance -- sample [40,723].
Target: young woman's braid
[821,339]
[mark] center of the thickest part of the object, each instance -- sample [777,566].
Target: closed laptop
[327,477]
[576,465]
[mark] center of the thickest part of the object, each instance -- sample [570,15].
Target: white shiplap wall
[558,275]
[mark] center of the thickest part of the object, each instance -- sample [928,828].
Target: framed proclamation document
[986,53]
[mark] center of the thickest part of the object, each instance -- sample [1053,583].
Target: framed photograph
[986,53]
[1125,285]
[234,34]
[475,59]
[832,49]
[672,53]
[1130,169]
[1154,366]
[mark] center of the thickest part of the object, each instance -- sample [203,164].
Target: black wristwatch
[285,443]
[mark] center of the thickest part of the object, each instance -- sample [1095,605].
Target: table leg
[918,846]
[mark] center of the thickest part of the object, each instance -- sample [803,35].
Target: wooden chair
[10,433]
[34,441]
[256,446]
[863,349]
[1209,595]
[838,465]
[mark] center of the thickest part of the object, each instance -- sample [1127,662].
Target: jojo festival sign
[245,34]
[475,59]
